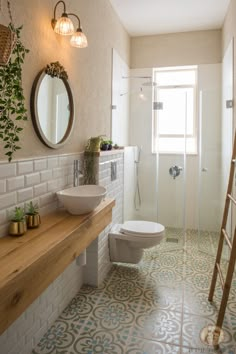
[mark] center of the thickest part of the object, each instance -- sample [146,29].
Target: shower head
[136,77]
[149,83]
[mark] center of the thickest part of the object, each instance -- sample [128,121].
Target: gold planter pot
[33,221]
[17,228]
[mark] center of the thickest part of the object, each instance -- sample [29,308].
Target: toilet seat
[128,241]
[140,228]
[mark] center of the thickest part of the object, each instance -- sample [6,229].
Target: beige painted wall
[89,69]
[229,32]
[186,48]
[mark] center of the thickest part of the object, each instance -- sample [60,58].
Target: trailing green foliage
[90,167]
[12,100]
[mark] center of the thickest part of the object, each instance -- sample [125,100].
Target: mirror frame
[34,111]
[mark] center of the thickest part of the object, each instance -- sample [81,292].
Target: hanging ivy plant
[12,100]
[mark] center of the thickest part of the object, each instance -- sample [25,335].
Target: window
[174,125]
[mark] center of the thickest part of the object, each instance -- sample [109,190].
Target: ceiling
[148,17]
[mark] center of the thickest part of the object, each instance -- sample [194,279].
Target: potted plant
[33,219]
[109,144]
[104,145]
[13,111]
[17,225]
[93,144]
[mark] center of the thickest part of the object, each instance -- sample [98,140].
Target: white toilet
[127,241]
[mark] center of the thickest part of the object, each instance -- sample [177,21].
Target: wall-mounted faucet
[174,171]
[77,173]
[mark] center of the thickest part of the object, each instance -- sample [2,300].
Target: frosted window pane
[172,78]
[176,145]
[177,111]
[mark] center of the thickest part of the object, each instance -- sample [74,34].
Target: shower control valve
[174,171]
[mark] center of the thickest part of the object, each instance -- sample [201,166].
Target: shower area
[176,169]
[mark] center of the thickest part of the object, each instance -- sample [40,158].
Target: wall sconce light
[64,26]
[78,39]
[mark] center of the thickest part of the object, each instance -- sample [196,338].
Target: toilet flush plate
[140,227]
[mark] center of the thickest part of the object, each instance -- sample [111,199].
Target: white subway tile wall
[14,183]
[36,180]
[41,179]
[2,186]
[98,258]
[22,336]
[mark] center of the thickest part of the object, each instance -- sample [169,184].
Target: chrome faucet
[77,173]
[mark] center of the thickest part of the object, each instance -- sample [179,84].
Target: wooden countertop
[28,264]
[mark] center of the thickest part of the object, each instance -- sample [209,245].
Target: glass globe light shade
[79,39]
[64,26]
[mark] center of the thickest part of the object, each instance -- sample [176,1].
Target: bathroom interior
[165,97]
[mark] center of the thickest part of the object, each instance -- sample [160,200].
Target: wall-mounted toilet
[127,241]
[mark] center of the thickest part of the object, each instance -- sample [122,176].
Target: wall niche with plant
[12,101]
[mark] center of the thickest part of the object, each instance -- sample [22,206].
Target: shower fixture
[174,171]
[136,77]
[142,95]
[149,83]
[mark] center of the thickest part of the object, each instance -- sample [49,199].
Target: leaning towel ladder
[226,284]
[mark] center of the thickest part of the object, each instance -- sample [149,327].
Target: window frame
[155,134]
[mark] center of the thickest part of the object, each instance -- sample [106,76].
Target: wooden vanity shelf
[30,263]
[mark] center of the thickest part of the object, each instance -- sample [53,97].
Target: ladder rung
[220,275]
[232,198]
[226,284]
[227,239]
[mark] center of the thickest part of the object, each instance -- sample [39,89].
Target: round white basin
[81,199]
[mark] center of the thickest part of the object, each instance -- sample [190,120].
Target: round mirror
[52,109]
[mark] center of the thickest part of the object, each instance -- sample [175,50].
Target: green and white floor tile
[159,306]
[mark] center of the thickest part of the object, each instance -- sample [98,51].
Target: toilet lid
[138,227]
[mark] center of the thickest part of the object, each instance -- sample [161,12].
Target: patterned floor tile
[140,346]
[57,340]
[158,306]
[114,315]
[159,325]
[165,276]
[124,290]
[80,307]
[127,272]
[196,302]
[162,297]
[99,341]
[199,262]
[229,349]
[198,281]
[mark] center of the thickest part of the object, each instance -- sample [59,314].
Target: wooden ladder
[225,283]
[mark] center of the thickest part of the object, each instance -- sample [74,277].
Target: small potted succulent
[33,219]
[18,225]
[106,145]
[109,144]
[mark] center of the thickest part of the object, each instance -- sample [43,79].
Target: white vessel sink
[82,199]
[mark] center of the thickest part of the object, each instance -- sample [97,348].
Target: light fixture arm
[70,14]
[55,8]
